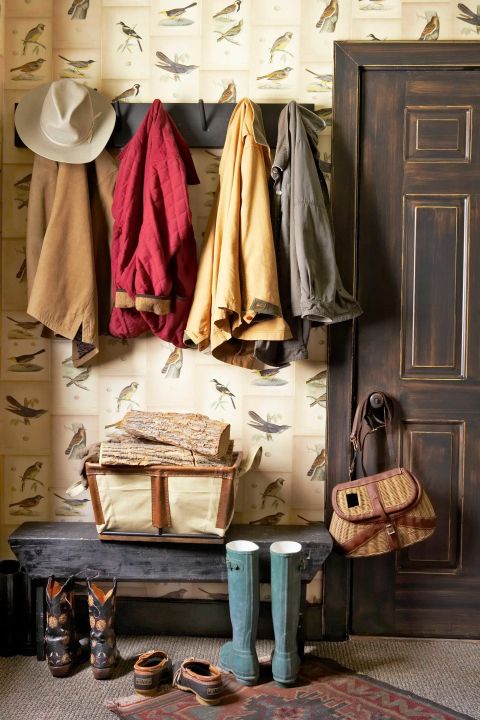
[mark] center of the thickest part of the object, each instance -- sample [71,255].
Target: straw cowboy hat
[65,121]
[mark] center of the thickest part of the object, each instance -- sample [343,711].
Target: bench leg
[40,608]
[301,621]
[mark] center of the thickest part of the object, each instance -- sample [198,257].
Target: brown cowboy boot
[61,647]
[104,653]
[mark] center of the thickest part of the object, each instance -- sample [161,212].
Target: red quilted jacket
[154,261]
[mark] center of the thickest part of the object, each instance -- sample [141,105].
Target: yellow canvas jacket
[236,298]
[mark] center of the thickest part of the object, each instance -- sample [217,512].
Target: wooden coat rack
[203,125]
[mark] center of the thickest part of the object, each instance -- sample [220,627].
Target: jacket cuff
[123,299]
[153,304]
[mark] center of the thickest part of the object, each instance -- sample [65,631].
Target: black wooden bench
[65,549]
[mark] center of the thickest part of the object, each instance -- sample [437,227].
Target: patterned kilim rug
[324,691]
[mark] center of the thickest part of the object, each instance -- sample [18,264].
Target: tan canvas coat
[236,299]
[69,226]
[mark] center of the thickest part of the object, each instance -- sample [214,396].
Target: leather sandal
[151,670]
[200,678]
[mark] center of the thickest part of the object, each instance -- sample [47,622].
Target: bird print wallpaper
[135,51]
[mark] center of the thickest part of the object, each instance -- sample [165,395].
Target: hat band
[87,138]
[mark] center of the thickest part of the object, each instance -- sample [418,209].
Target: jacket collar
[294,121]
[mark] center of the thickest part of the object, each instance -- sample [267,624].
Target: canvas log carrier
[378,513]
[167,503]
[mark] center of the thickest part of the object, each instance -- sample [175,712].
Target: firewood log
[191,431]
[141,452]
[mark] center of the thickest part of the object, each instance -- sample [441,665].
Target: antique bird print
[173,66]
[329,17]
[229,9]
[76,66]
[323,82]
[128,93]
[223,391]
[131,34]
[177,12]
[431,31]
[22,191]
[78,9]
[229,94]
[280,45]
[24,324]
[26,359]
[79,379]
[468,16]
[276,75]
[29,67]
[266,426]
[78,442]
[316,468]
[32,38]
[231,32]
[26,411]
[30,475]
[273,490]
[26,504]
[173,364]
[126,395]
[268,519]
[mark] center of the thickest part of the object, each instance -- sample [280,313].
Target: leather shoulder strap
[367,420]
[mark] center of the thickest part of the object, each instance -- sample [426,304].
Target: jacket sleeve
[167,224]
[127,211]
[258,267]
[40,203]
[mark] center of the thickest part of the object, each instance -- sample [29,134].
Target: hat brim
[27,123]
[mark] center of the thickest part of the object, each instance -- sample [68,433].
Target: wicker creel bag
[379,513]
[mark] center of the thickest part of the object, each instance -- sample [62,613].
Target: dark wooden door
[416,235]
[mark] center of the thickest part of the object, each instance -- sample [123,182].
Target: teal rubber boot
[240,656]
[286,569]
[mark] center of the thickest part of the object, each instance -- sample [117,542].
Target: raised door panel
[434,451]
[434,286]
[438,134]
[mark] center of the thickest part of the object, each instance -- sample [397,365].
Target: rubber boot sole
[102,673]
[248,681]
[200,700]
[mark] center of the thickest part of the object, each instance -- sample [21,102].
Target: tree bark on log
[136,452]
[191,431]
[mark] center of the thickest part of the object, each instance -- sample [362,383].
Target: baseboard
[209,618]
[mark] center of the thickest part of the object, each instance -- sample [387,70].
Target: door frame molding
[350,60]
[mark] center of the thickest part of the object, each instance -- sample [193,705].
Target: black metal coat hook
[203,114]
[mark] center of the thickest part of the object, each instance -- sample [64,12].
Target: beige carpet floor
[446,671]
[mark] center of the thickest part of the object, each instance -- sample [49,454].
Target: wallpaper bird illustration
[280,45]
[33,38]
[328,19]
[469,16]
[126,397]
[26,506]
[76,67]
[127,94]
[78,9]
[173,66]
[131,35]
[228,9]
[26,410]
[78,442]
[177,16]
[30,476]
[431,31]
